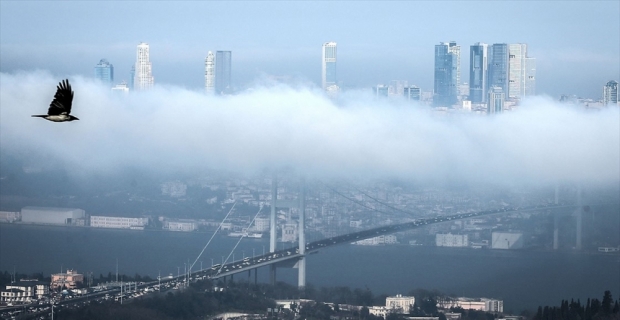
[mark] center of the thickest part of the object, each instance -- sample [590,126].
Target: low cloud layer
[273,126]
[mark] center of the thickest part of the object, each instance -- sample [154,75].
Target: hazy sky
[576,43]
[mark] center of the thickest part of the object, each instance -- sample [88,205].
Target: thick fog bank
[170,129]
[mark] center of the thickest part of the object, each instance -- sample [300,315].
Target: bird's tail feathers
[39,115]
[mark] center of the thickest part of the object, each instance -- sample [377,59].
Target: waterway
[523,279]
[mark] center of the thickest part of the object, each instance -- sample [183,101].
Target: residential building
[121,87]
[9,216]
[478,72]
[143,79]
[70,280]
[379,240]
[289,232]
[210,73]
[447,74]
[496,100]
[378,311]
[24,290]
[180,225]
[481,304]
[412,93]
[381,91]
[118,222]
[397,87]
[262,224]
[329,75]
[223,72]
[399,304]
[104,72]
[610,93]
[451,240]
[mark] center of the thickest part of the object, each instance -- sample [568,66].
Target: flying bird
[61,105]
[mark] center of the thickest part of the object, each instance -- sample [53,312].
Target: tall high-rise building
[512,70]
[329,76]
[478,72]
[143,79]
[610,93]
[498,66]
[516,70]
[530,76]
[447,74]
[210,73]
[132,77]
[223,72]
[495,103]
[104,72]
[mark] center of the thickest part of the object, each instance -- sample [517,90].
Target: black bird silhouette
[61,105]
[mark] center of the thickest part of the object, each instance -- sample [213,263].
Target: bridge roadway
[283,255]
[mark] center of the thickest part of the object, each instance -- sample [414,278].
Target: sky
[576,43]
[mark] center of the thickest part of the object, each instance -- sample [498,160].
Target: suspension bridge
[296,257]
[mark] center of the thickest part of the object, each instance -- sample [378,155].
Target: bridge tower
[272,225]
[301,265]
[556,218]
[579,217]
[578,213]
[301,205]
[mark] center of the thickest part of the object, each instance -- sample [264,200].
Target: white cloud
[171,128]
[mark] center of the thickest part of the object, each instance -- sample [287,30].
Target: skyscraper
[512,70]
[516,70]
[329,76]
[447,74]
[143,73]
[210,73]
[478,72]
[530,76]
[610,93]
[132,77]
[223,68]
[498,66]
[104,72]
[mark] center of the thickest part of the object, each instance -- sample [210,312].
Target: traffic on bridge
[219,271]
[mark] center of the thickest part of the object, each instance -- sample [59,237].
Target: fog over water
[274,125]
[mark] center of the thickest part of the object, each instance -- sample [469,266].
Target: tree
[364,312]
[606,304]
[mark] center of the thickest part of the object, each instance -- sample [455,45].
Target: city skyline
[574,56]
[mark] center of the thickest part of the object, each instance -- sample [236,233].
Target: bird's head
[71,118]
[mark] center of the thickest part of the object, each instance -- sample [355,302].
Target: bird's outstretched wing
[62,99]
